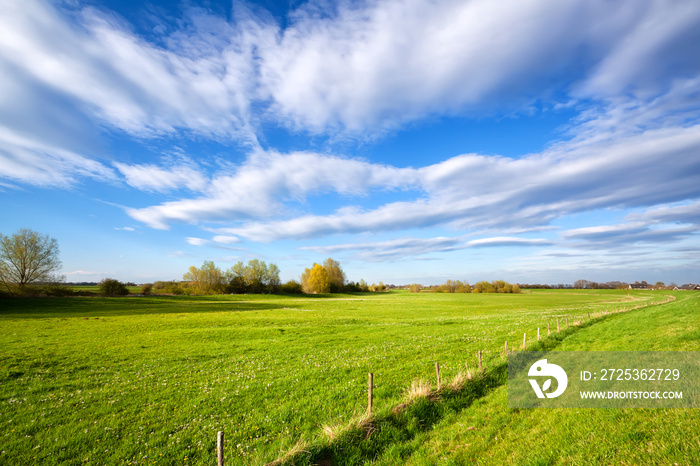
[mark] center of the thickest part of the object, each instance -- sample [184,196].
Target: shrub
[169,287]
[146,288]
[292,287]
[112,287]
[58,289]
[415,288]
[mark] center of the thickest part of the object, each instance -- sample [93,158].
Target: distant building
[640,286]
[689,287]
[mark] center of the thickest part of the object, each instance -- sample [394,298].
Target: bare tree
[27,258]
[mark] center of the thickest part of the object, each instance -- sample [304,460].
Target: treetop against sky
[530,141]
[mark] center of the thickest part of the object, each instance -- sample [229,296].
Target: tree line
[591,285]
[457,286]
[257,277]
[29,264]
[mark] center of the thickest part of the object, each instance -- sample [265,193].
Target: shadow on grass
[41,308]
[397,429]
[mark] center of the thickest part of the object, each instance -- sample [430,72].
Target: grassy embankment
[488,432]
[151,380]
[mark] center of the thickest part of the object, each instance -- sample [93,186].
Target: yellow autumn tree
[316,280]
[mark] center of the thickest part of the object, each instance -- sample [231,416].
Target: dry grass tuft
[300,447]
[332,431]
[361,420]
[358,421]
[419,389]
[461,379]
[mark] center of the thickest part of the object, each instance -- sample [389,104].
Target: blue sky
[413,141]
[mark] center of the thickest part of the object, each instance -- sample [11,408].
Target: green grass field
[150,380]
[488,432]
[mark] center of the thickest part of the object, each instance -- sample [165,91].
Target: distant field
[96,289]
[150,380]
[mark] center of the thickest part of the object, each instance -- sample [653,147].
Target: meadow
[488,432]
[150,380]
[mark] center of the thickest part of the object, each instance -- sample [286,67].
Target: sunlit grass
[488,432]
[150,380]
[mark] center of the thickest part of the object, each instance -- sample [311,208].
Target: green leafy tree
[255,277]
[335,274]
[28,258]
[291,287]
[113,287]
[463,287]
[235,278]
[206,280]
[272,276]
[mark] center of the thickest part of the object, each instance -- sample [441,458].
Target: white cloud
[197,241]
[154,178]
[361,69]
[131,84]
[416,245]
[348,68]
[683,213]
[25,159]
[226,239]
[408,247]
[260,187]
[654,33]
[377,65]
[664,224]
[82,272]
[501,241]
[475,192]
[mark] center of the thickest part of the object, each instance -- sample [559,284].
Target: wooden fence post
[567,321]
[479,355]
[437,372]
[538,333]
[549,329]
[524,340]
[370,387]
[220,448]
[506,346]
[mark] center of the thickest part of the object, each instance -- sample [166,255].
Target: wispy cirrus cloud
[380,251]
[476,192]
[408,59]
[162,179]
[356,71]
[133,85]
[261,186]
[667,224]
